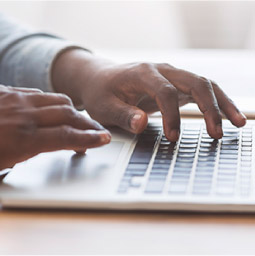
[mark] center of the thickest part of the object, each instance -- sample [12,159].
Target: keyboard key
[181,170]
[207,145]
[246,139]
[201,188]
[246,144]
[184,160]
[206,136]
[229,147]
[207,154]
[154,186]
[229,152]
[186,155]
[227,161]
[183,165]
[203,176]
[205,164]
[189,141]
[204,170]
[245,153]
[208,140]
[162,161]
[225,190]
[177,188]
[190,136]
[187,150]
[159,172]
[157,176]
[188,145]
[134,173]
[162,157]
[230,156]
[181,176]
[160,166]
[246,159]
[135,167]
[246,149]
[244,169]
[206,159]
[207,150]
[245,164]
[143,158]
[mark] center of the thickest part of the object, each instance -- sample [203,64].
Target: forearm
[27,56]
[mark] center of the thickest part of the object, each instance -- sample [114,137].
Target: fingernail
[105,138]
[135,122]
[82,152]
[243,116]
[219,130]
[174,135]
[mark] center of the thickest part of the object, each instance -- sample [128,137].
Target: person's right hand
[32,122]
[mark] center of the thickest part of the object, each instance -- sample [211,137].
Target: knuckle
[65,134]
[65,99]
[167,91]
[145,66]
[15,101]
[122,118]
[212,108]
[166,66]
[204,83]
[70,112]
[25,128]
[15,96]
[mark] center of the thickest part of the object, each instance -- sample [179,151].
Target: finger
[202,92]
[166,97]
[48,99]
[148,105]
[121,114]
[228,107]
[66,137]
[26,90]
[63,115]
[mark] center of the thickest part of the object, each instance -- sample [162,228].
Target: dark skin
[123,95]
[32,122]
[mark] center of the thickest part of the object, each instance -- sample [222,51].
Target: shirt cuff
[29,62]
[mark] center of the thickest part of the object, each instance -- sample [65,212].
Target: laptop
[147,172]
[143,172]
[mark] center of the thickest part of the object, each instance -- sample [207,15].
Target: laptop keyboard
[196,164]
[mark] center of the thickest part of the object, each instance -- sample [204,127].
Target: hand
[32,122]
[122,95]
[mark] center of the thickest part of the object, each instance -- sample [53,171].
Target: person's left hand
[122,95]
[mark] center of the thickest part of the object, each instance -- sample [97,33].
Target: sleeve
[26,56]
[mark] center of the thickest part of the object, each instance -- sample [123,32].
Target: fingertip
[81,152]
[239,119]
[138,122]
[173,135]
[105,137]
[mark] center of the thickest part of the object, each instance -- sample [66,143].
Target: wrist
[74,71]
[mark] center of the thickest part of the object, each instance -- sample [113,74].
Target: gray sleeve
[26,56]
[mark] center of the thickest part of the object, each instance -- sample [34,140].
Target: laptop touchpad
[65,167]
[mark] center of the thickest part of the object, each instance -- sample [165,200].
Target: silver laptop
[144,172]
[147,172]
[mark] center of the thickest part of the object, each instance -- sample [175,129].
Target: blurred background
[215,39]
[143,24]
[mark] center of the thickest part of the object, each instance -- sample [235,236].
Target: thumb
[127,117]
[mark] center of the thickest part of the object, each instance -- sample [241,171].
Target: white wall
[100,24]
[143,24]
